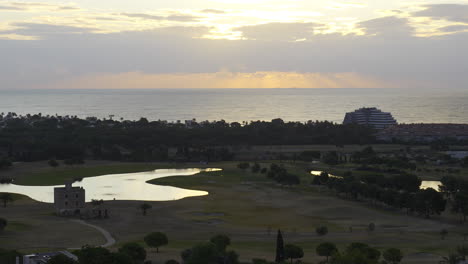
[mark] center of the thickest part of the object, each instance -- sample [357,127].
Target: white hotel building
[371,117]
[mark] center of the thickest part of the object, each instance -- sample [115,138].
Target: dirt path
[110,240]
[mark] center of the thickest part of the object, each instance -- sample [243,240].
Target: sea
[406,105]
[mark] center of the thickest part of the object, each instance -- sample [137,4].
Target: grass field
[247,206]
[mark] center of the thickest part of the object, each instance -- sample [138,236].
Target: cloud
[36,7]
[71,53]
[10,8]
[131,80]
[450,12]
[213,11]
[343,5]
[177,17]
[454,28]
[278,31]
[390,25]
[40,30]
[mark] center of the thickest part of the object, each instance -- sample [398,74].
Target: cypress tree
[279,248]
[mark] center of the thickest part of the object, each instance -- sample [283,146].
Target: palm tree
[6,197]
[144,207]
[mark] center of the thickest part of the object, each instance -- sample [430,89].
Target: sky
[233,44]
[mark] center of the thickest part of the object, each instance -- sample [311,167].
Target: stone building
[69,200]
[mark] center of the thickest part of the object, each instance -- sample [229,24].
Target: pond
[128,186]
[431,184]
[424,184]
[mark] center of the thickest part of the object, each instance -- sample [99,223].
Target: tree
[61,259]
[363,253]
[464,162]
[255,168]
[460,205]
[462,251]
[6,197]
[221,242]
[185,255]
[326,249]
[5,163]
[231,257]
[204,253]
[8,256]
[156,240]
[429,202]
[293,252]
[443,233]
[135,251]
[279,248]
[93,255]
[393,255]
[145,207]
[330,158]
[243,165]
[3,224]
[451,259]
[120,258]
[53,163]
[321,230]
[323,177]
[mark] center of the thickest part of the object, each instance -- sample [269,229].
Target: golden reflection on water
[127,186]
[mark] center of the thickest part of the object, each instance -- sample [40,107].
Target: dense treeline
[456,191]
[37,137]
[216,251]
[400,191]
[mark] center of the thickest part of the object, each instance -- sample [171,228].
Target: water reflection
[431,184]
[128,186]
[317,173]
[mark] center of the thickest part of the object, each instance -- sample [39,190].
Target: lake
[127,186]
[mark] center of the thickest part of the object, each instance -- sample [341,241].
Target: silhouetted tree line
[5,162]
[456,191]
[38,137]
[282,176]
[398,191]
[368,156]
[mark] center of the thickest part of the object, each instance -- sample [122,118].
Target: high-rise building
[370,116]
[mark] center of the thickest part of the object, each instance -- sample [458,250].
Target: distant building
[69,200]
[371,117]
[457,154]
[424,133]
[43,258]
